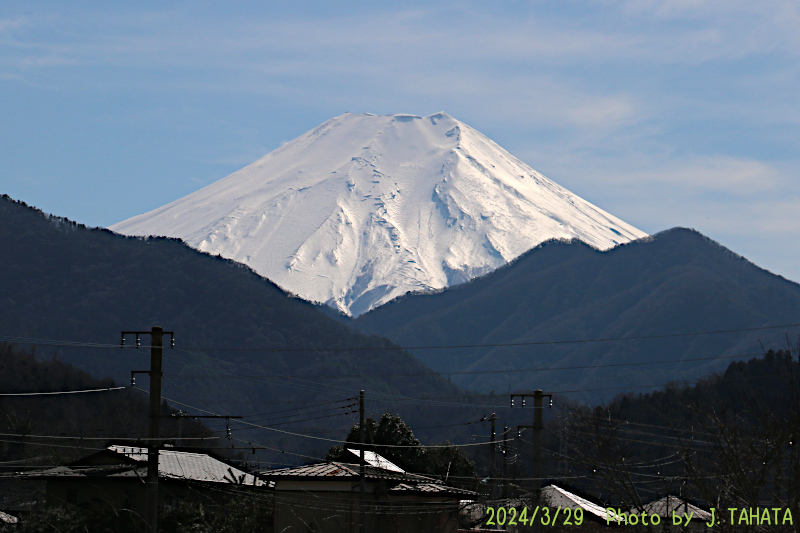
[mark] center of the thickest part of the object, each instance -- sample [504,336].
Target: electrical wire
[300,414]
[29,340]
[299,421]
[240,421]
[508,371]
[431,401]
[70,437]
[306,407]
[502,344]
[56,393]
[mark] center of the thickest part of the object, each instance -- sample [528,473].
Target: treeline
[443,462]
[243,346]
[730,440]
[62,280]
[40,431]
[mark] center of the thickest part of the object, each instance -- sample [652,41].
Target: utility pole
[362,470]
[156,352]
[505,462]
[537,427]
[493,486]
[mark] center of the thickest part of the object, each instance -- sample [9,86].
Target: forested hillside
[728,441]
[242,345]
[622,311]
[53,429]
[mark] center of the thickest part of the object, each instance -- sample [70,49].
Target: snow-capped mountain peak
[365,208]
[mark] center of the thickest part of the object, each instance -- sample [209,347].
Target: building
[325,497]
[558,498]
[117,475]
[666,506]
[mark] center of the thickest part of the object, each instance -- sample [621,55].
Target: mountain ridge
[366,207]
[65,282]
[677,281]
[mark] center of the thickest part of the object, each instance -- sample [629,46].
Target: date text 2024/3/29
[547,517]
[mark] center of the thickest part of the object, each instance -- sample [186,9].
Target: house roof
[663,507]
[557,497]
[430,488]
[376,460]
[333,470]
[172,464]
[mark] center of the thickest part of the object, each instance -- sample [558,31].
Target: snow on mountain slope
[365,208]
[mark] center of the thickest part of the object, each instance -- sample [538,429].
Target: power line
[505,371]
[301,408]
[300,414]
[29,340]
[322,438]
[69,437]
[502,344]
[54,393]
[304,420]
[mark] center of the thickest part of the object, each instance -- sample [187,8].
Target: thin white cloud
[637,102]
[733,176]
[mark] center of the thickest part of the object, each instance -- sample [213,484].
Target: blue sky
[663,112]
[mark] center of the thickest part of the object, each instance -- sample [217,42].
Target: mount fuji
[365,208]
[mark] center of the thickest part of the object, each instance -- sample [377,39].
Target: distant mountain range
[621,307]
[242,345]
[365,208]
[562,317]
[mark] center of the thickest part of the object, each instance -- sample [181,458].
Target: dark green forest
[243,346]
[645,292]
[40,431]
[730,440]
[446,463]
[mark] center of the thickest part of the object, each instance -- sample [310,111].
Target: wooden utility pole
[538,425]
[362,470]
[505,462]
[537,445]
[493,487]
[156,354]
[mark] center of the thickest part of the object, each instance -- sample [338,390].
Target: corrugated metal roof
[187,465]
[557,497]
[333,469]
[376,460]
[329,469]
[336,469]
[431,488]
[172,464]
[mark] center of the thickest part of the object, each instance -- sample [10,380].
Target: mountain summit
[365,208]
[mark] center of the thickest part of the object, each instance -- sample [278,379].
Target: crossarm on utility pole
[156,355]
[361,468]
[538,425]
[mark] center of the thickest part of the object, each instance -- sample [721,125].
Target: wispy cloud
[654,109]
